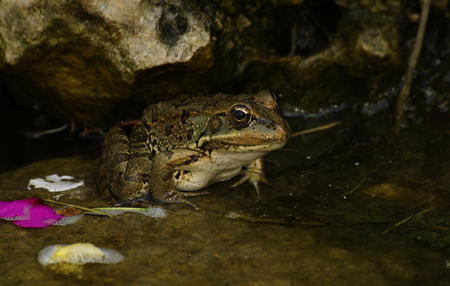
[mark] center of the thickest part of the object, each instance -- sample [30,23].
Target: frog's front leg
[163,187]
[254,174]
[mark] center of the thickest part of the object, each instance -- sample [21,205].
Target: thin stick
[316,129]
[252,219]
[412,63]
[406,220]
[37,134]
[77,207]
[357,186]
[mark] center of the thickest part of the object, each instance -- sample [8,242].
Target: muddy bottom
[368,212]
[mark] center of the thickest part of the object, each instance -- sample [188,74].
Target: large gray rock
[88,53]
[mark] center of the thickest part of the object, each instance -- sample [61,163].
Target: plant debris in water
[255,219]
[55,183]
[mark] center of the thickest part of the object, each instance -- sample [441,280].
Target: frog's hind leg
[114,162]
[126,166]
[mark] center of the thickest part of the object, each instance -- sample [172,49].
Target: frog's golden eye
[241,114]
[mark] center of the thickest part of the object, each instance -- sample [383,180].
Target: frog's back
[176,123]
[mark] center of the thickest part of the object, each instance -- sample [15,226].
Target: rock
[85,56]
[89,57]
[373,43]
[310,63]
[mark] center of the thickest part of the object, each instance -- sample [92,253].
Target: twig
[412,63]
[252,219]
[406,220]
[316,129]
[357,186]
[77,207]
[37,134]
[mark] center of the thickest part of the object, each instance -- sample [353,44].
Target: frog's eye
[240,114]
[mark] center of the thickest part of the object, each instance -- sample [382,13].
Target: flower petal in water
[55,183]
[77,253]
[29,213]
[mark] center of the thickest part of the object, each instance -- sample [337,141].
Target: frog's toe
[194,194]
[254,178]
[133,202]
[175,197]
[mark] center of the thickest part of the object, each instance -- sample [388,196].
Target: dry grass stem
[406,220]
[412,63]
[77,207]
[317,129]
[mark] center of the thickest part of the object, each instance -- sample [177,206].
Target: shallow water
[323,223]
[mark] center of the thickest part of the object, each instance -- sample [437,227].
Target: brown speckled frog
[181,146]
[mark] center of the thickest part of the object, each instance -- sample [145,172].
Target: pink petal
[29,213]
[40,216]
[15,210]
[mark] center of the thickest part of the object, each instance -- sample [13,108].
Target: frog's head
[245,123]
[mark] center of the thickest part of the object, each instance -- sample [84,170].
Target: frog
[180,146]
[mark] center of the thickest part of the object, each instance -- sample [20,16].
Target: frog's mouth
[245,141]
[236,147]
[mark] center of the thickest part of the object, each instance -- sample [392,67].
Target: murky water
[327,221]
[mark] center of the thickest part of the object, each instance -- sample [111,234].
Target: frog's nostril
[282,132]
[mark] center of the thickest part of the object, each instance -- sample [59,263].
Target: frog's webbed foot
[133,203]
[254,175]
[176,197]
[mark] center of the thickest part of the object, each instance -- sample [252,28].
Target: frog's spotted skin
[183,145]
